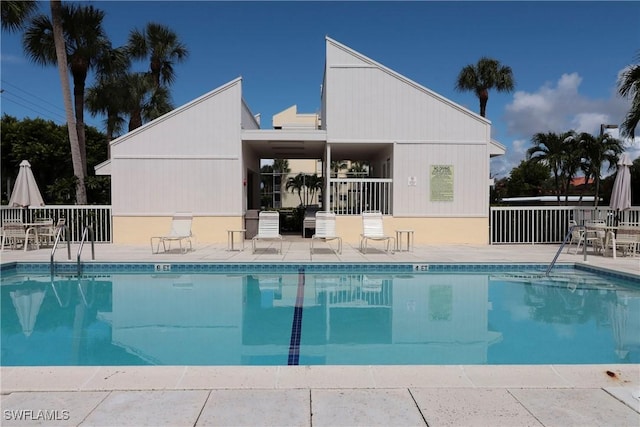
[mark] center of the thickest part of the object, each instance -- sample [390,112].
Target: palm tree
[296,184]
[280,169]
[629,87]
[162,46]
[596,152]
[337,166]
[281,166]
[14,16]
[487,74]
[144,102]
[552,150]
[77,160]
[359,168]
[108,95]
[85,41]
[16,13]
[314,184]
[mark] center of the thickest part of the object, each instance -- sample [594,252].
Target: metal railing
[352,196]
[77,217]
[87,233]
[567,238]
[62,229]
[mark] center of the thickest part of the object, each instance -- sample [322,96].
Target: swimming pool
[344,314]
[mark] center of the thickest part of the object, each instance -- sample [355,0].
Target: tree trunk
[61,55]
[484,97]
[78,97]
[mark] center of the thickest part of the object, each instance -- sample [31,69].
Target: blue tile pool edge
[281,267]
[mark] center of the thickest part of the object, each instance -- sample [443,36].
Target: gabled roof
[404,79]
[177,111]
[104,168]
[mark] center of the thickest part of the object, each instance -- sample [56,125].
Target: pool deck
[453,395]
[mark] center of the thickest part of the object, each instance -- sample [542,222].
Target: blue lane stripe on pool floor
[296,325]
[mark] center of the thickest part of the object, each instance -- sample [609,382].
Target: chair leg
[580,241]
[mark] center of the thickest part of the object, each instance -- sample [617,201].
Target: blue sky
[565,56]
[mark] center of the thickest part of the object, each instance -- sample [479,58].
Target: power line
[25,103]
[38,108]
[6,83]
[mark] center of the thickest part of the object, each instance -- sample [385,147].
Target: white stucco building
[428,156]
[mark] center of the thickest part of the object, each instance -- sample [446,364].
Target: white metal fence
[546,224]
[77,218]
[507,225]
[352,196]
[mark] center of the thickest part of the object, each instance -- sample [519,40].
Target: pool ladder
[87,232]
[564,242]
[61,229]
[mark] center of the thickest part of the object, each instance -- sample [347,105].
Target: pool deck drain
[535,395]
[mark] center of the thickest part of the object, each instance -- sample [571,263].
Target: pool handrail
[564,242]
[88,231]
[67,235]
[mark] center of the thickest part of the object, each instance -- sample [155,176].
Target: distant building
[549,200]
[581,180]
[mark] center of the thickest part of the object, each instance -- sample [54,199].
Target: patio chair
[578,237]
[595,235]
[180,232]
[46,231]
[372,229]
[14,233]
[268,228]
[325,225]
[627,239]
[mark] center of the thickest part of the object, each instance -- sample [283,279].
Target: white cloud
[12,59]
[501,166]
[557,107]
[561,107]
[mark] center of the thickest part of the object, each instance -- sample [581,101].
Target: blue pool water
[202,314]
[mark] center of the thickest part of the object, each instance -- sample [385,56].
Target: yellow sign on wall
[441,183]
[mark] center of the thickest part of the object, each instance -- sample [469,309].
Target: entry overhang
[286,144]
[496,149]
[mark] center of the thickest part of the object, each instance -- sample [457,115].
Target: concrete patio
[513,395]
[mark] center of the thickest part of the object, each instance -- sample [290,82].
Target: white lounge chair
[325,224]
[372,229]
[309,221]
[268,228]
[180,232]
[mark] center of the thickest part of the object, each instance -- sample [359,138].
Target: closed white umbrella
[25,191]
[621,193]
